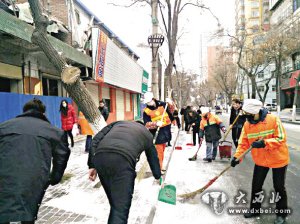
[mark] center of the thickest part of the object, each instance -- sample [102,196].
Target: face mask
[152,103]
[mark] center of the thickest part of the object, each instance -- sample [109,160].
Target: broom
[225,135]
[199,191]
[195,156]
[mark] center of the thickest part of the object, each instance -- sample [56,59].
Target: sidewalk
[189,176]
[78,200]
[286,117]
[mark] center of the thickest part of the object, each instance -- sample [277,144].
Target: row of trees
[249,55]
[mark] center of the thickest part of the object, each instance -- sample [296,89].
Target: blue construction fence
[11,105]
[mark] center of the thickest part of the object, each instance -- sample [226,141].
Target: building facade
[24,69]
[286,15]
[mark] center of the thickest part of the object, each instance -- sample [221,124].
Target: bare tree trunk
[253,87]
[69,75]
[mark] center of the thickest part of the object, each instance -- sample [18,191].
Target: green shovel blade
[168,194]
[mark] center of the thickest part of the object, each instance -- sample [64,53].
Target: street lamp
[155,41]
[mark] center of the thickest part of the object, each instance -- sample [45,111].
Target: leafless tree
[70,75]
[225,73]
[173,10]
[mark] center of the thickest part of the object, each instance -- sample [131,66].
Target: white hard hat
[148,96]
[205,110]
[252,106]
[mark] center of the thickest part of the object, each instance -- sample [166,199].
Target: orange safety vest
[84,124]
[156,115]
[276,153]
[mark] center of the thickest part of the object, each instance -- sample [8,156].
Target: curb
[290,122]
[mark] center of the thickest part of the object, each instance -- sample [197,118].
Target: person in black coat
[176,118]
[115,151]
[103,110]
[237,127]
[194,121]
[28,143]
[182,113]
[186,118]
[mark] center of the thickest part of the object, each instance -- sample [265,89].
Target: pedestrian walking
[85,129]
[210,126]
[68,119]
[155,117]
[265,133]
[176,119]
[28,144]
[103,110]
[182,113]
[186,119]
[236,130]
[194,122]
[115,152]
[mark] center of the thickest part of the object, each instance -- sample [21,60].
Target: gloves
[259,144]
[223,129]
[159,123]
[234,162]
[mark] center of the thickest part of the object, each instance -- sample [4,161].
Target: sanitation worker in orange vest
[152,117]
[210,126]
[265,133]
[85,130]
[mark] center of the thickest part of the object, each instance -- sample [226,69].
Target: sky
[133,26]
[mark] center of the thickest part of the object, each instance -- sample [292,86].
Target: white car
[271,106]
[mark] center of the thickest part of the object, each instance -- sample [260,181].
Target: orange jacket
[84,125]
[276,153]
[156,115]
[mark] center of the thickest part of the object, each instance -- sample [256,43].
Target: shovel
[167,193]
[199,191]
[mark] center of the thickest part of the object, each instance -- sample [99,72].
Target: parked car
[271,106]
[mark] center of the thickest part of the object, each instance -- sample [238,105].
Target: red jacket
[68,121]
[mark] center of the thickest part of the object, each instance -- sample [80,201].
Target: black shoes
[279,220]
[213,158]
[207,159]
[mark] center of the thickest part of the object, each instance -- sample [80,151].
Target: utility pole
[295,98]
[154,6]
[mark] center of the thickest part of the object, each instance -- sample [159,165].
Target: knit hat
[205,110]
[148,96]
[252,106]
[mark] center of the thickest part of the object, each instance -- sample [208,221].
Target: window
[50,87]
[260,75]
[261,88]
[4,85]
[254,13]
[255,4]
[77,15]
[273,88]
[274,101]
